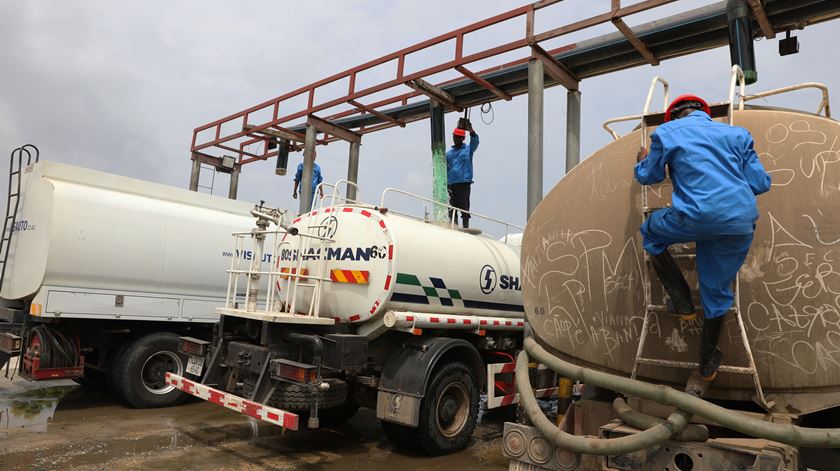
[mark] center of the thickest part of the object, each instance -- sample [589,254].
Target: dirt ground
[61,425]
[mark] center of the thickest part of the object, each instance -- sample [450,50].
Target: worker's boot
[710,355]
[466,221]
[679,294]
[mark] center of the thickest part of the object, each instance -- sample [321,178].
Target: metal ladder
[651,308]
[15,174]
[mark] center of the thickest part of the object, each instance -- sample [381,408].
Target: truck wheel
[448,414]
[138,372]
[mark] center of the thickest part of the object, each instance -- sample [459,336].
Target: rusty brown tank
[583,269]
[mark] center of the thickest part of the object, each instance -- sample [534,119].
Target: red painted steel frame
[353,96]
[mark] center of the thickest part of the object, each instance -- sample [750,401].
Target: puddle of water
[31,408]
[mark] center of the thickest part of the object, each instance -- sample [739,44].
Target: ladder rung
[742,370]
[677,256]
[664,308]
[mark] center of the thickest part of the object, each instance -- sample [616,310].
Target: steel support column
[353,170]
[439,183]
[572,129]
[536,90]
[234,182]
[195,173]
[305,187]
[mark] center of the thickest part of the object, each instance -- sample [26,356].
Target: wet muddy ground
[61,425]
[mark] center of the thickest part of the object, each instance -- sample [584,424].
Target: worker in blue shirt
[716,176]
[459,171]
[316,179]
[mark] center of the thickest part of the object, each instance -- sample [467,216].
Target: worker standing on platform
[716,175]
[316,179]
[459,170]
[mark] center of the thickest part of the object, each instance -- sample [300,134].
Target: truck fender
[406,375]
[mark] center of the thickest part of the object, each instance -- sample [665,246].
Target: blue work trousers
[719,257]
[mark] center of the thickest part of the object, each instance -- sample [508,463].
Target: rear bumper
[235,403]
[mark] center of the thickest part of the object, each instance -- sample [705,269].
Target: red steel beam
[459,60]
[378,114]
[484,83]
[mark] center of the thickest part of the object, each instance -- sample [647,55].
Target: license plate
[195,364]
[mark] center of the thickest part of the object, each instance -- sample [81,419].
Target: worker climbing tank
[585,277]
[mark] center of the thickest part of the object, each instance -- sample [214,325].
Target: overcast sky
[119,86]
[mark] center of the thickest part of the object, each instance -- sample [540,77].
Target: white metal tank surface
[87,230]
[380,262]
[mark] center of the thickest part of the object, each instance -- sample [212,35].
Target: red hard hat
[684,98]
[460,132]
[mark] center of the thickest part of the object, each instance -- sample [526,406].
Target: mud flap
[406,375]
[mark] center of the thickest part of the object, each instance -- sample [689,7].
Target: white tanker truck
[103,273]
[366,307]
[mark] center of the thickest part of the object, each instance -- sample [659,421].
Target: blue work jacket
[714,170]
[316,175]
[459,162]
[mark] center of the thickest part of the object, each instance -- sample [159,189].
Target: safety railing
[256,274]
[737,94]
[248,124]
[649,100]
[736,78]
[336,197]
[825,106]
[454,211]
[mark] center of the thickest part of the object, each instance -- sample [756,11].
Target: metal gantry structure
[281,125]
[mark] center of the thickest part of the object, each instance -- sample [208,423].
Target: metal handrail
[335,196]
[736,77]
[824,102]
[616,136]
[648,101]
[507,225]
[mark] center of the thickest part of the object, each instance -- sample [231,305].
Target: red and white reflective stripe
[243,406]
[494,401]
[421,320]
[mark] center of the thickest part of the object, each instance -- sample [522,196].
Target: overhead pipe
[741,46]
[789,434]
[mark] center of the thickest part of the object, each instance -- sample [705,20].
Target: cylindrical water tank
[379,262]
[82,229]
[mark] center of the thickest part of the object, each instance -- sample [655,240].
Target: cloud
[119,87]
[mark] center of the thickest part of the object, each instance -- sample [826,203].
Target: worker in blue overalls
[716,175]
[316,179]
[459,171]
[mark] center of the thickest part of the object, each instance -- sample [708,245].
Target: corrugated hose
[687,405]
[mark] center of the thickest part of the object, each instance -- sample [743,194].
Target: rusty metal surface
[583,268]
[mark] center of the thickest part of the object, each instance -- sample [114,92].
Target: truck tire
[448,414]
[138,371]
[295,398]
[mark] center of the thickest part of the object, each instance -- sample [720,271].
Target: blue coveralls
[459,162]
[316,178]
[716,175]
[459,176]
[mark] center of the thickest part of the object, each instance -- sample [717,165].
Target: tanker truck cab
[102,274]
[367,307]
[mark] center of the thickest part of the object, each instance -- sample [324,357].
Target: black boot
[710,355]
[679,294]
